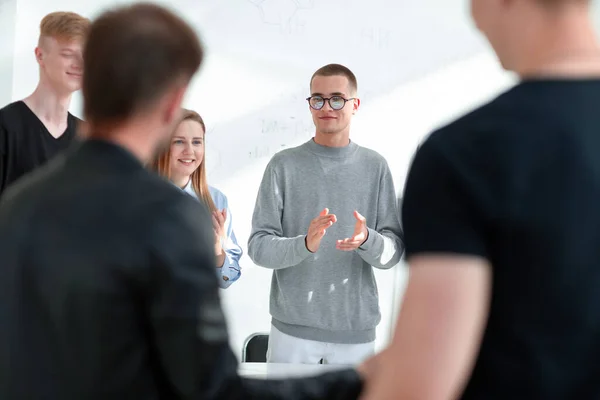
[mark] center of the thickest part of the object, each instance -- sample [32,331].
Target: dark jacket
[108,291]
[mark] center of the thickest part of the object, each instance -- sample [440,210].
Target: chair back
[255,348]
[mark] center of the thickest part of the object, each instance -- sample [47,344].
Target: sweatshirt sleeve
[267,246]
[384,246]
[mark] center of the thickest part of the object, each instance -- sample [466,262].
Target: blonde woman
[183,164]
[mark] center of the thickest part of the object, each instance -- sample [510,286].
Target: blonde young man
[502,224]
[35,129]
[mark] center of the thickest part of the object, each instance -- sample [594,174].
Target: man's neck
[340,139]
[49,106]
[135,137]
[562,47]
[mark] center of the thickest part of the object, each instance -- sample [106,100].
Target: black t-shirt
[518,182]
[26,144]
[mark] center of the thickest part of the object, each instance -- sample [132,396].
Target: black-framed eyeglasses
[335,102]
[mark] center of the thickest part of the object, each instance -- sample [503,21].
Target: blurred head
[511,26]
[337,83]
[183,160]
[139,61]
[59,50]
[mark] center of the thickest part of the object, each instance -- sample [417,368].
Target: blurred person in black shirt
[502,226]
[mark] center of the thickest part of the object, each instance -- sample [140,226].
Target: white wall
[418,64]
[8,10]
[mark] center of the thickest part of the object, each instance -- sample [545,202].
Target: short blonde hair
[64,25]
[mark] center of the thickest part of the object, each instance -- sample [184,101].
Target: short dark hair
[337,69]
[132,56]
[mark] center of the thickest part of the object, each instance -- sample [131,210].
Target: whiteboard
[418,64]
[8,12]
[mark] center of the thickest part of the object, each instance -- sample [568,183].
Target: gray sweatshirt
[331,295]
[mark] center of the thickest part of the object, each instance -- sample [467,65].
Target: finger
[348,241]
[359,217]
[324,212]
[320,230]
[347,246]
[328,217]
[221,219]
[347,249]
[321,233]
[318,234]
[224,213]
[321,226]
[358,237]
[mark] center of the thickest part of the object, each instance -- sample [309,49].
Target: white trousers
[292,350]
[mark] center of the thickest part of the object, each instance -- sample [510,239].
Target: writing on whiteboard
[265,151]
[377,37]
[292,127]
[283,14]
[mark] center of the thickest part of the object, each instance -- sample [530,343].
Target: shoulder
[11,113]
[370,159]
[483,137]
[494,123]
[179,232]
[477,155]
[370,155]
[288,157]
[172,202]
[166,195]
[175,214]
[15,107]
[33,188]
[73,119]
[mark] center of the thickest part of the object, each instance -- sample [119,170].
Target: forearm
[275,252]
[381,250]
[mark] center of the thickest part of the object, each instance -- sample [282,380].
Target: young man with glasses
[326,212]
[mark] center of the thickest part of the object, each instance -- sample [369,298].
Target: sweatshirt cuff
[368,244]
[301,249]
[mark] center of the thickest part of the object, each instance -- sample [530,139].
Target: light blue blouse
[231,270]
